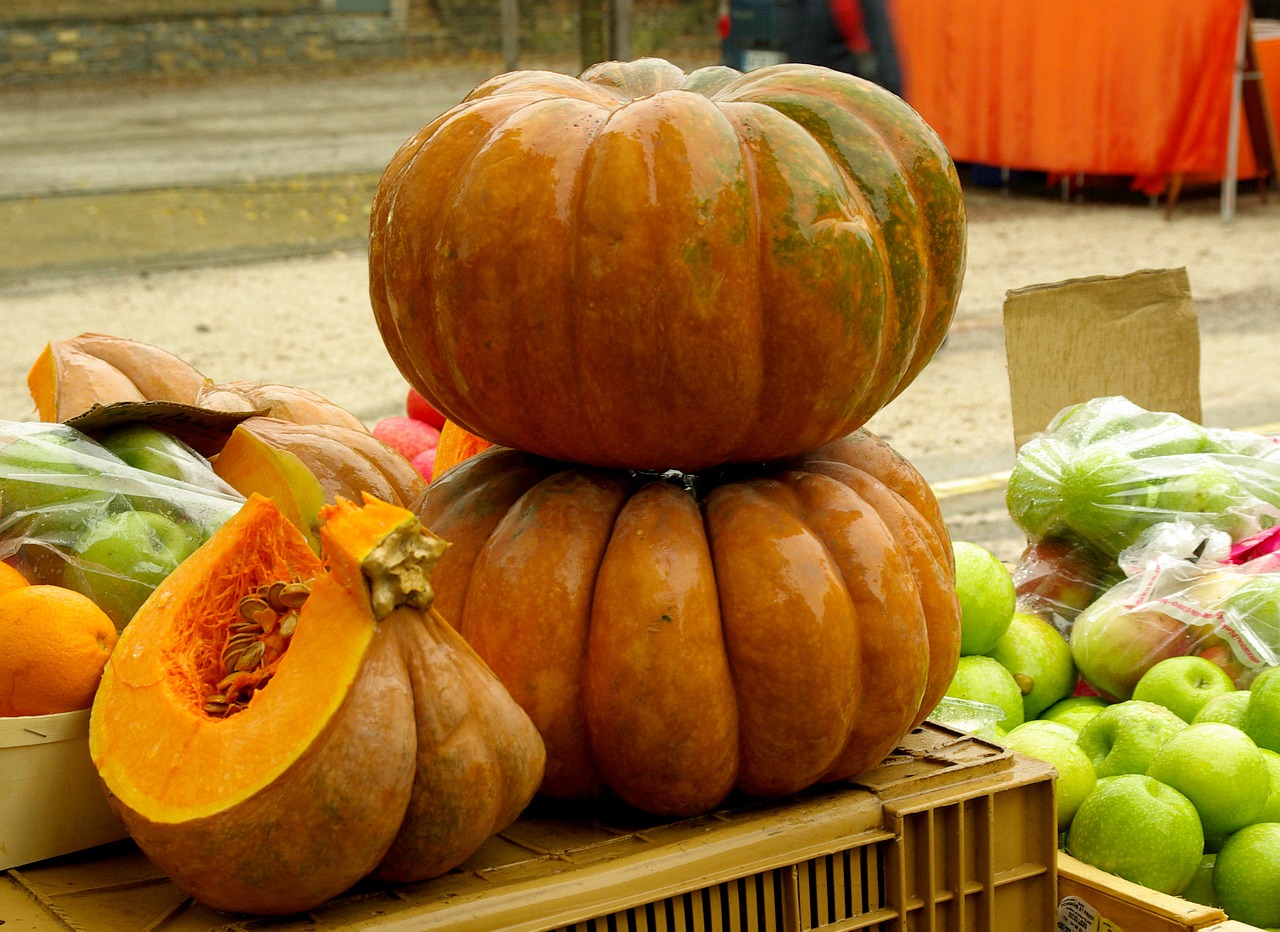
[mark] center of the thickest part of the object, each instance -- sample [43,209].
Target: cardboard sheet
[1135,335]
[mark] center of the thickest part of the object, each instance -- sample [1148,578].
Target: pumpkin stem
[399,569]
[384,547]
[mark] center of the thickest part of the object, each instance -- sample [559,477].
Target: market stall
[1109,88]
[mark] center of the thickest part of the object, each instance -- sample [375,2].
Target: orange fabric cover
[1108,87]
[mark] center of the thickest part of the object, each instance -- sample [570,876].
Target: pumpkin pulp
[171,759]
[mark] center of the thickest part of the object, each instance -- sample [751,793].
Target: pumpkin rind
[713,267]
[786,628]
[71,376]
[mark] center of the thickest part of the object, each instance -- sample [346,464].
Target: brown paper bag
[1134,335]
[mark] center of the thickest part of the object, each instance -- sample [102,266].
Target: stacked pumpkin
[671,301]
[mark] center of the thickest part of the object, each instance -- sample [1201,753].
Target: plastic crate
[1088,894]
[950,832]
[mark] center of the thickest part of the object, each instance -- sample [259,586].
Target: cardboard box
[1091,899]
[51,801]
[949,832]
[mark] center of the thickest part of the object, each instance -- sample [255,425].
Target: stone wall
[75,47]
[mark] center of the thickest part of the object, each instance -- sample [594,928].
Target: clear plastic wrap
[74,514]
[1106,471]
[1175,603]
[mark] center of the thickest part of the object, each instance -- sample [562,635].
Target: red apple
[425,463]
[418,408]
[1113,647]
[1057,578]
[1217,650]
[407,435]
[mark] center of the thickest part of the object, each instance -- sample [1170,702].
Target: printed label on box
[1075,915]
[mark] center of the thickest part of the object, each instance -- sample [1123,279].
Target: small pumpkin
[70,376]
[644,268]
[674,638]
[456,444]
[267,756]
[345,462]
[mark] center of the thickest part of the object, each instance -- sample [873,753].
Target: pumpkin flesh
[211,799]
[378,742]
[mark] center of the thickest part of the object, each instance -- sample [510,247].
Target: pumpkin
[456,444]
[645,268]
[70,377]
[676,637]
[303,466]
[273,728]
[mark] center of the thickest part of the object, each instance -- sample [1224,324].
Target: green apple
[1262,712]
[1270,811]
[1056,744]
[1113,646]
[1200,890]
[1227,708]
[125,556]
[1106,497]
[1246,876]
[1136,827]
[984,587]
[1183,684]
[1123,737]
[980,678]
[46,465]
[1033,495]
[1040,660]
[1074,711]
[1220,770]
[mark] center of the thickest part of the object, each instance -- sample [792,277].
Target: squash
[456,444]
[303,466]
[676,637]
[71,376]
[271,731]
[644,268]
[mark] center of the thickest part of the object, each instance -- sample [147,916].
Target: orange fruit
[54,643]
[10,578]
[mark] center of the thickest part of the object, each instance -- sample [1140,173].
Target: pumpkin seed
[288,624]
[251,657]
[294,595]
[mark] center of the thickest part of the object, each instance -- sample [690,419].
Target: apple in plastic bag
[1113,647]
[123,557]
[1059,577]
[42,469]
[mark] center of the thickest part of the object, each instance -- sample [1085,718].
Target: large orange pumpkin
[651,269]
[762,629]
